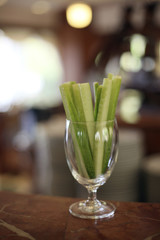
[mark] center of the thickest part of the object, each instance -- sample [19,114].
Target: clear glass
[91,151]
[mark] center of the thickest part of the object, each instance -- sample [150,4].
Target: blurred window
[31,69]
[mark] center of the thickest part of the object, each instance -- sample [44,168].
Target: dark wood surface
[44,218]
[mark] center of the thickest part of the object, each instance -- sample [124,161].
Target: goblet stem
[92,201]
[92,194]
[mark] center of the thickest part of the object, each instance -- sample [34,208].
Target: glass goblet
[91,150]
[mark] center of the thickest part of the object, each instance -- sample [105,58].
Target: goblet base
[98,210]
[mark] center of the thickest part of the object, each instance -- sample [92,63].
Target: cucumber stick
[67,98]
[116,83]
[71,114]
[83,102]
[97,91]
[95,87]
[78,153]
[101,117]
[78,102]
[104,100]
[87,104]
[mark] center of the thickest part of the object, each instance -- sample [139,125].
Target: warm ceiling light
[40,7]
[79,15]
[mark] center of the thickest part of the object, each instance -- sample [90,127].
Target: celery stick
[86,96]
[82,100]
[95,87]
[67,98]
[101,116]
[78,102]
[116,83]
[79,158]
[87,104]
[110,75]
[104,100]
[84,146]
[97,99]
[72,115]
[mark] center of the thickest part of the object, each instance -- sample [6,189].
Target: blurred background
[41,47]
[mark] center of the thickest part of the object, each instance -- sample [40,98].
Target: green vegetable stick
[78,105]
[87,104]
[71,114]
[81,128]
[79,157]
[84,146]
[78,102]
[68,97]
[104,100]
[95,87]
[97,99]
[83,102]
[116,83]
[101,116]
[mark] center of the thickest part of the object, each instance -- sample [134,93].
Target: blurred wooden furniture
[43,217]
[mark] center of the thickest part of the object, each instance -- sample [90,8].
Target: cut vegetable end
[78,102]
[104,100]
[67,98]
[95,87]
[116,83]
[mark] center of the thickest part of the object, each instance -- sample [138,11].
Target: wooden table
[44,218]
